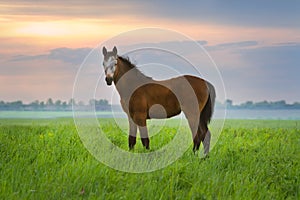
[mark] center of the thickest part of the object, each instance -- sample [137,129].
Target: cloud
[77,55]
[250,13]
[90,8]
[287,43]
[67,55]
[265,73]
[283,56]
[74,56]
[18,58]
[232,45]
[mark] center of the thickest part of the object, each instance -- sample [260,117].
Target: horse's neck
[128,80]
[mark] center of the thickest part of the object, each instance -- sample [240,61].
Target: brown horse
[143,98]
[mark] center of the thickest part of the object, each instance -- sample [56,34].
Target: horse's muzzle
[109,80]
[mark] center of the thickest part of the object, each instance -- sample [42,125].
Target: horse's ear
[104,51]
[115,50]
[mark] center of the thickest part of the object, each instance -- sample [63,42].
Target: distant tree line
[58,105]
[103,105]
[259,105]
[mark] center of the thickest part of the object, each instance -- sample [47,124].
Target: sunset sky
[256,44]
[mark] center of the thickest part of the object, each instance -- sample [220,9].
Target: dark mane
[127,61]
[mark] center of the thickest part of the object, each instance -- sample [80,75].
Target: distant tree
[102,102]
[58,103]
[42,104]
[98,103]
[279,104]
[262,104]
[228,103]
[3,105]
[64,104]
[71,102]
[35,105]
[247,104]
[296,105]
[15,105]
[49,102]
[80,103]
[92,102]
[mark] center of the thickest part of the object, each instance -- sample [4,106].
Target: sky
[255,44]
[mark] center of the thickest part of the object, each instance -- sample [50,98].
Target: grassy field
[45,159]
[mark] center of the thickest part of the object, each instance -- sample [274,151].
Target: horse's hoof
[131,148]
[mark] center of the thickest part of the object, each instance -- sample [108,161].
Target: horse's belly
[163,110]
[162,115]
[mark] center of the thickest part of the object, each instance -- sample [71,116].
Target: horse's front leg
[132,133]
[140,119]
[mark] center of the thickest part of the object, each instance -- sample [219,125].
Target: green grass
[253,159]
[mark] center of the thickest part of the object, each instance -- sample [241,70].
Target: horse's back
[192,90]
[191,84]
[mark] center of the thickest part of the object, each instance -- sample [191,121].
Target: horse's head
[110,64]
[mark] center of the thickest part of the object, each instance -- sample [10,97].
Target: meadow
[253,159]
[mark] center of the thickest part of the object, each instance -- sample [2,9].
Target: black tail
[208,109]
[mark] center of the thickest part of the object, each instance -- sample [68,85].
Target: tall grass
[45,159]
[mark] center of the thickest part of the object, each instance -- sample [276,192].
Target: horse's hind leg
[194,124]
[132,134]
[205,136]
[144,136]
[199,137]
[206,142]
[197,142]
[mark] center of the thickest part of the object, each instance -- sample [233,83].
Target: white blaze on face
[110,66]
